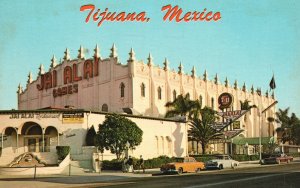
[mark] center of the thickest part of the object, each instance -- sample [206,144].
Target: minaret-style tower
[252,90]
[29,81]
[226,82]
[97,52]
[205,75]
[235,85]
[131,55]
[244,89]
[113,53]
[41,69]
[53,62]
[81,53]
[131,61]
[150,60]
[166,64]
[67,55]
[180,69]
[20,89]
[193,72]
[216,79]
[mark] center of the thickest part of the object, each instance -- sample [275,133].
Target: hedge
[62,151]
[150,163]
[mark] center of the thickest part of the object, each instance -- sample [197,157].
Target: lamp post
[16,128]
[246,147]
[127,148]
[260,119]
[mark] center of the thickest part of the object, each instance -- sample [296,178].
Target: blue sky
[251,41]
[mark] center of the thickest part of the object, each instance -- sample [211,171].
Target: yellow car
[183,164]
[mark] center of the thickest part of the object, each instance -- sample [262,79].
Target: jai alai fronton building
[60,104]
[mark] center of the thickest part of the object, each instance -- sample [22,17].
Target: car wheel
[198,170]
[234,165]
[278,161]
[220,167]
[180,170]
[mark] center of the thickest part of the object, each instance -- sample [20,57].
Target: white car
[220,162]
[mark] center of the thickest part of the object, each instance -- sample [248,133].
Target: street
[285,175]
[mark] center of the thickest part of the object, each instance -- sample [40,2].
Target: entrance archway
[34,140]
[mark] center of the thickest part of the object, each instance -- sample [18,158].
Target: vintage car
[277,159]
[183,164]
[220,162]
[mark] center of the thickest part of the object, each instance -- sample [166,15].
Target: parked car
[220,162]
[277,159]
[183,164]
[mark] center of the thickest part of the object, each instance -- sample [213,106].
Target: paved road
[284,175]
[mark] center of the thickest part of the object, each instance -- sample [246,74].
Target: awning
[251,141]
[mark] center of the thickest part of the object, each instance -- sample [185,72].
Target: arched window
[200,99]
[143,90]
[104,108]
[122,87]
[174,95]
[188,96]
[169,145]
[159,93]
[212,103]
[157,144]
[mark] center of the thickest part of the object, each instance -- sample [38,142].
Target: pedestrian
[130,164]
[141,163]
[124,165]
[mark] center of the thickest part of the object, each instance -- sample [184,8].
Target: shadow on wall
[75,138]
[179,140]
[153,112]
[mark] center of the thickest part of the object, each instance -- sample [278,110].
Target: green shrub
[62,151]
[149,163]
[294,154]
[90,136]
[243,157]
[112,165]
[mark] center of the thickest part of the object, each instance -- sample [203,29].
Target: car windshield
[179,160]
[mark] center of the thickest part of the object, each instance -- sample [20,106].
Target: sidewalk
[76,180]
[86,179]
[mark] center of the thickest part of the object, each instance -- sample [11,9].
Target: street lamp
[246,147]
[127,148]
[260,119]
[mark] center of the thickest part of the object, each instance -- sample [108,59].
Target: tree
[115,132]
[296,133]
[90,136]
[246,105]
[288,125]
[270,121]
[201,130]
[183,106]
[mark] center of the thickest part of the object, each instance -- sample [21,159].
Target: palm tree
[270,121]
[183,106]
[201,130]
[286,125]
[246,106]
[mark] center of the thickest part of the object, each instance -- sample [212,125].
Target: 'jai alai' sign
[32,115]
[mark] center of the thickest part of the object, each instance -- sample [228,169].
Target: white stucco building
[99,85]
[139,88]
[41,131]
